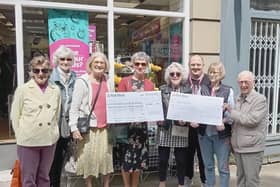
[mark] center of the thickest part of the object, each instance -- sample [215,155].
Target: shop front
[116,27]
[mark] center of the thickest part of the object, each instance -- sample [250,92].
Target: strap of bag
[96,97]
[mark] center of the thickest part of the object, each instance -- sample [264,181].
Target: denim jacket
[65,91]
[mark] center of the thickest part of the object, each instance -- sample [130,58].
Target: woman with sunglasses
[134,153]
[173,134]
[35,115]
[95,156]
[64,78]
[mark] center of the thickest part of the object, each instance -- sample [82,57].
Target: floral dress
[133,153]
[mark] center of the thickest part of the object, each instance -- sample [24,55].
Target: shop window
[39,33]
[87,2]
[8,77]
[164,5]
[266,5]
[159,37]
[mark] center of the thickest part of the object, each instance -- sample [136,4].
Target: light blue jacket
[66,99]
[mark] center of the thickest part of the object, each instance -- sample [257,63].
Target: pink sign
[81,53]
[176,48]
[92,33]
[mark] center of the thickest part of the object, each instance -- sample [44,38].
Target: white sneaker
[188,182]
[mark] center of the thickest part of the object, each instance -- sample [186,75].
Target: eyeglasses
[98,62]
[67,59]
[246,82]
[37,71]
[173,74]
[214,72]
[139,63]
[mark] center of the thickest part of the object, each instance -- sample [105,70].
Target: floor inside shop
[5,132]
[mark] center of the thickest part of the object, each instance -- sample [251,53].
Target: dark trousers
[194,147]
[180,158]
[58,160]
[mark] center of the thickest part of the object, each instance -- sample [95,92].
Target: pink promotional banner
[175,42]
[92,38]
[70,28]
[92,32]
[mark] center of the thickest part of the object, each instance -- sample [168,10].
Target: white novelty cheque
[195,108]
[125,107]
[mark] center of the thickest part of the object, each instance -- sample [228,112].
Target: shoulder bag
[83,122]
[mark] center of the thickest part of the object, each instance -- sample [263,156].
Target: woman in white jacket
[94,149]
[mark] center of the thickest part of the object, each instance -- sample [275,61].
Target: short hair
[180,67]
[220,67]
[141,55]
[62,52]
[96,55]
[39,60]
[246,73]
[196,55]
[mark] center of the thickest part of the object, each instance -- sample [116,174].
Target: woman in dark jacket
[168,136]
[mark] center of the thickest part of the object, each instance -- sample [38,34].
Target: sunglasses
[67,59]
[37,71]
[139,63]
[173,74]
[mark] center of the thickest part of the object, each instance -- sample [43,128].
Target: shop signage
[175,39]
[160,50]
[70,28]
[92,38]
[147,31]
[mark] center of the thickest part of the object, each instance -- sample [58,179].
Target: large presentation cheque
[124,107]
[195,108]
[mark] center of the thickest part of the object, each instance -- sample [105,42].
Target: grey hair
[141,55]
[180,67]
[247,73]
[93,57]
[62,52]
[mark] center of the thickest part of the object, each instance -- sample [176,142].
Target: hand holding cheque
[125,107]
[195,108]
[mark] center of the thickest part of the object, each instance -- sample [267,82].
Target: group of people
[46,109]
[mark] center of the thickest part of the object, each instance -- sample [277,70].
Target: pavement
[270,177]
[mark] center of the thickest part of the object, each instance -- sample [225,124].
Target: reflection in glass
[265,4]
[164,5]
[87,2]
[159,37]
[8,77]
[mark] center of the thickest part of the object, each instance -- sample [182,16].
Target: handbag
[16,178]
[83,122]
[70,165]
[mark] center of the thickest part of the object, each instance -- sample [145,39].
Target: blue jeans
[211,145]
